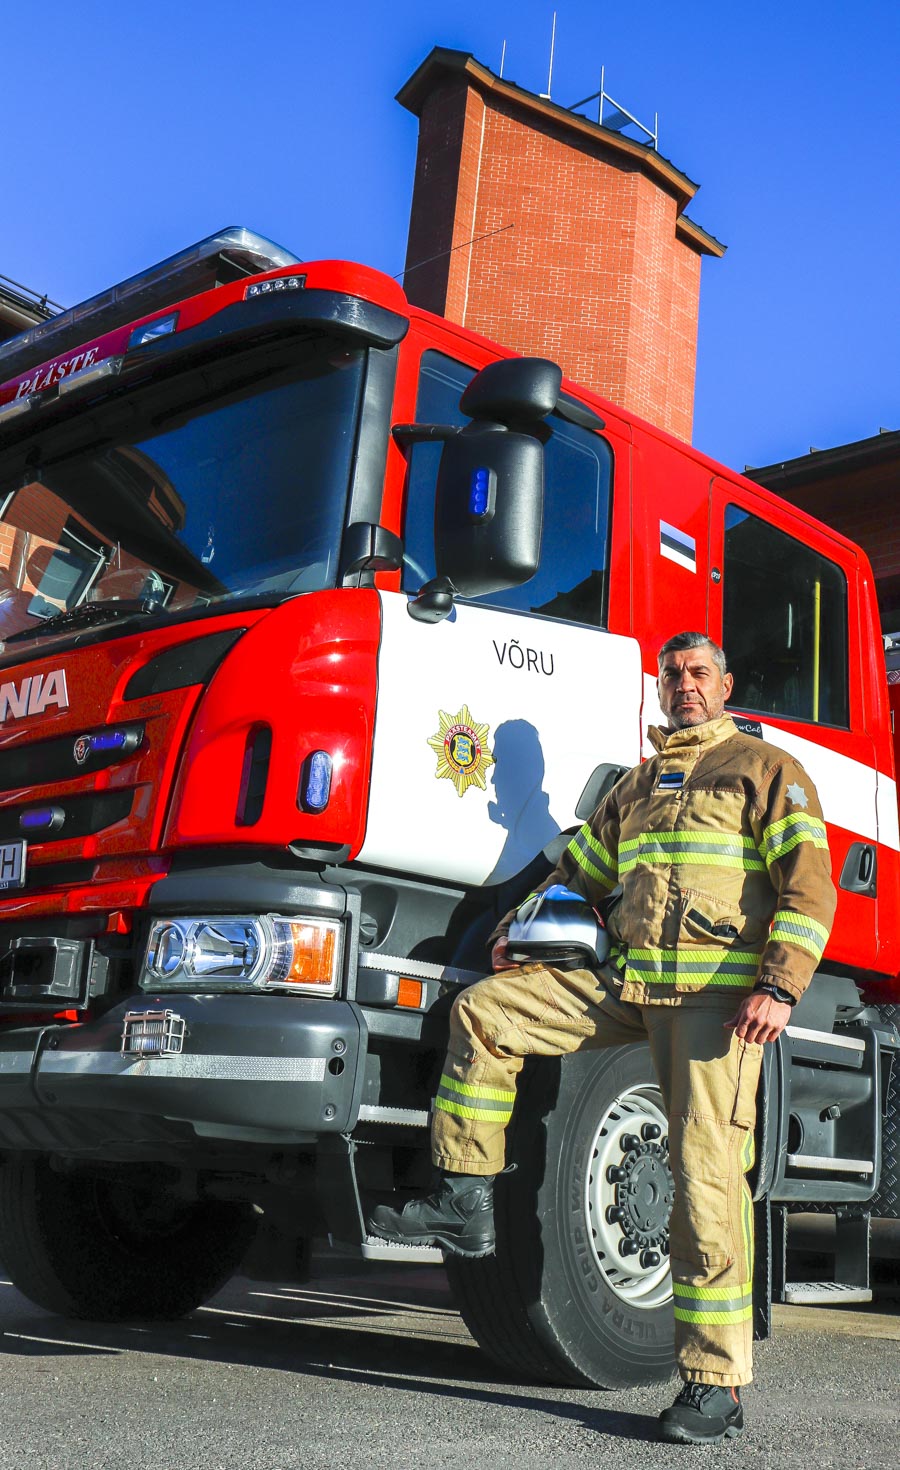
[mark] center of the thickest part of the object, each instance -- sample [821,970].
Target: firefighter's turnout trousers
[708,1078]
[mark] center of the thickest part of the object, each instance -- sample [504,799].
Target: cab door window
[784,624]
[571,582]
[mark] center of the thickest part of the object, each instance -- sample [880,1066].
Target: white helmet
[559,928]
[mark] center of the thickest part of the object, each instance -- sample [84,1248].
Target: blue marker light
[109,740]
[315,782]
[42,819]
[480,494]
[125,741]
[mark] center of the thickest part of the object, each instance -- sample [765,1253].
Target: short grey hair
[694,640]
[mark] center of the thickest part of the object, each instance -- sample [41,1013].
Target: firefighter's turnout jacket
[719,844]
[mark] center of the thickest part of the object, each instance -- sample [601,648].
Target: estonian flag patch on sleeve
[670,781]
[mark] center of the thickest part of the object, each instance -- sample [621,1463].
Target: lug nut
[615,1214]
[649,1258]
[664,1247]
[630,1142]
[649,1131]
[615,1174]
[628,1247]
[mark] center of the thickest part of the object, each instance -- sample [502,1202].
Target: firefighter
[726,904]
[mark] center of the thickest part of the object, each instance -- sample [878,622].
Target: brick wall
[592,272]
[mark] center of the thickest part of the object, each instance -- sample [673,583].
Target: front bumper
[267,1069]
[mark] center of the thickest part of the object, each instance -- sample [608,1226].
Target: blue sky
[132,129]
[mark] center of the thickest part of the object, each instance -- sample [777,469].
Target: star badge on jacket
[796,795]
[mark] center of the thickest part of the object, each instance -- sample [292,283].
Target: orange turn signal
[409,993]
[315,954]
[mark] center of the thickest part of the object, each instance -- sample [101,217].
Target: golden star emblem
[461,746]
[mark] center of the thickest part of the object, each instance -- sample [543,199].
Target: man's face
[691,689]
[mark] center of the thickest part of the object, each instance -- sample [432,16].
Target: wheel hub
[645,1195]
[629,1197]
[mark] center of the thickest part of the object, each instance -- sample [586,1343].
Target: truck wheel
[579,1290]
[105,1250]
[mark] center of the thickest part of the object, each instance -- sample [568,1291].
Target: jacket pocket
[749,1061]
[706,920]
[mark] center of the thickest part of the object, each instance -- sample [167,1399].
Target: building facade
[545,231]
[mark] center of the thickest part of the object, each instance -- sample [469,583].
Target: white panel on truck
[487,728]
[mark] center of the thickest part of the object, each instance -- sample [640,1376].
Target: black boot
[703,1413]
[458,1216]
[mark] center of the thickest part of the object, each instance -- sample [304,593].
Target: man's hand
[759,1017]
[499,960]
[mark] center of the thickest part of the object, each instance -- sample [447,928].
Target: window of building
[571,581]
[784,626]
[62,574]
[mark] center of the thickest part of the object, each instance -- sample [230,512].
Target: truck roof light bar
[95,373]
[17,406]
[216,261]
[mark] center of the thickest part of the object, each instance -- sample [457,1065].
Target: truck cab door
[490,723]
[784,603]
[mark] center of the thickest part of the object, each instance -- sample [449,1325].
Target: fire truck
[324,623]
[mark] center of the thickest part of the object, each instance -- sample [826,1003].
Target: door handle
[860,871]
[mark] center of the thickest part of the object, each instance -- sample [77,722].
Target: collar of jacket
[711,732]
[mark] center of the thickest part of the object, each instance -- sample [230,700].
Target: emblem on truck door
[462,749]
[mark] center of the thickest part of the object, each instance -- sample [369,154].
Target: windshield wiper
[93,613]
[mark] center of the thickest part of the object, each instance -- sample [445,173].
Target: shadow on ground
[391,1329]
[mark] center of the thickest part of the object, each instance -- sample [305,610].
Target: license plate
[12,865]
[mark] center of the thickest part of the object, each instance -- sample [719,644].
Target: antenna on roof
[618,118]
[503,58]
[552,49]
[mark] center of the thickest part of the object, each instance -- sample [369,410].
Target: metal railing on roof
[32,299]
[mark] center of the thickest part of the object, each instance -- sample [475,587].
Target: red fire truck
[324,622]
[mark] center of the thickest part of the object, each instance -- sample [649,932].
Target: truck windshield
[221,481]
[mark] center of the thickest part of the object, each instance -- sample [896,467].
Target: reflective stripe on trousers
[708,1079]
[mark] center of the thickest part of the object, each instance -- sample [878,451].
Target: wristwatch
[768,987]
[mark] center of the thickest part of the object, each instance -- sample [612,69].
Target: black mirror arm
[368,549]
[580,414]
[433,602]
[405,434]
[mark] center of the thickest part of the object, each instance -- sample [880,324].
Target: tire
[558,1301]
[105,1250]
[885,1203]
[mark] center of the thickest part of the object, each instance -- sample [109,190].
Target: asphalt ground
[371,1366]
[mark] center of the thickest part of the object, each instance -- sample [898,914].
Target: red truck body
[220,702]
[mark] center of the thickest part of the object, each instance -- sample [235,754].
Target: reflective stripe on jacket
[721,850]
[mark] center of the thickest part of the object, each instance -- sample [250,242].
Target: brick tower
[589,256]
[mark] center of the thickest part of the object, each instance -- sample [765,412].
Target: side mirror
[488,509]
[516,391]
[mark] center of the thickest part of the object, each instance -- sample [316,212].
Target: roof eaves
[822,464]
[442,59]
[19,311]
[694,234]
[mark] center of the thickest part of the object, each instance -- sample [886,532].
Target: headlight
[266,952]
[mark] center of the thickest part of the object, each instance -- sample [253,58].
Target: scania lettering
[324,624]
[33,695]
